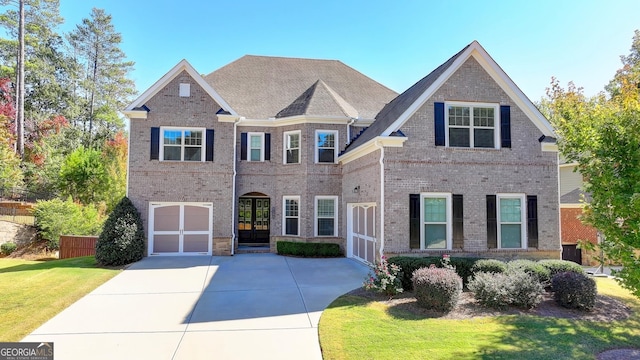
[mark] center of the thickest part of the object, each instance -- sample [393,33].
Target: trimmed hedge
[308,249]
[559,266]
[409,264]
[489,266]
[437,288]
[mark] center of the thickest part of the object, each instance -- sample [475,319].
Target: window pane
[172,153]
[458,116]
[325,207]
[510,235]
[256,141]
[172,137]
[483,117]
[459,137]
[326,155]
[435,209]
[510,210]
[291,208]
[326,140]
[325,227]
[483,138]
[291,226]
[293,141]
[255,154]
[192,154]
[435,236]
[293,156]
[192,137]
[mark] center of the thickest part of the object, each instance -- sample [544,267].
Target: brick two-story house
[267,149]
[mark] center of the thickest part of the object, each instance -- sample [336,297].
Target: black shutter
[492,222]
[532,221]
[267,147]
[438,118]
[209,149]
[414,221]
[458,222]
[243,146]
[505,125]
[155,143]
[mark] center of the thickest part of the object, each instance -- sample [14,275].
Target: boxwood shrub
[437,288]
[574,290]
[489,266]
[556,266]
[308,249]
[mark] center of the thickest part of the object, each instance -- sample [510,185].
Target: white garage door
[180,228]
[361,227]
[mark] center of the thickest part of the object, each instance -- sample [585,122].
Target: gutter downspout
[381,161]
[233,186]
[351,122]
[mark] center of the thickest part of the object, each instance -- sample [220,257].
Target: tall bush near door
[122,239]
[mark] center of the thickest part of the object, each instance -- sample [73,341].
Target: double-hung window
[180,144]
[511,221]
[472,125]
[326,216]
[256,146]
[291,147]
[326,146]
[436,221]
[291,215]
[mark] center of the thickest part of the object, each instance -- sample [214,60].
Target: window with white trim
[326,146]
[256,146]
[291,147]
[291,215]
[182,144]
[511,221]
[472,125]
[326,216]
[437,228]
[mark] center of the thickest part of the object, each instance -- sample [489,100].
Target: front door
[253,220]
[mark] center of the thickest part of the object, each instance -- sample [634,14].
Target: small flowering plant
[385,279]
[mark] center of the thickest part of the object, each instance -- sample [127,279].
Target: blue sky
[393,42]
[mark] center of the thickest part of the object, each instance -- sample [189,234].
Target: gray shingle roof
[261,87]
[574,197]
[392,111]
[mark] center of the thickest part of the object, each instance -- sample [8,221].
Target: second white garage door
[361,232]
[180,228]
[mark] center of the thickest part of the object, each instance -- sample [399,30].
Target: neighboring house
[571,227]
[267,149]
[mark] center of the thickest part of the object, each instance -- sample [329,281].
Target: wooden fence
[76,246]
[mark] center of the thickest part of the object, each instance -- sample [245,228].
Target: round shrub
[574,290]
[489,266]
[437,288]
[532,268]
[122,239]
[499,290]
[8,248]
[556,266]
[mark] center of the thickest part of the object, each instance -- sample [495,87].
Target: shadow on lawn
[534,337]
[80,262]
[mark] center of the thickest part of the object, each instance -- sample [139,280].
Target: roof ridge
[344,105]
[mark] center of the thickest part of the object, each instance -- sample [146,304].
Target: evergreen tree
[122,239]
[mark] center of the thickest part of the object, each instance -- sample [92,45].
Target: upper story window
[182,144]
[291,147]
[326,146]
[256,147]
[472,125]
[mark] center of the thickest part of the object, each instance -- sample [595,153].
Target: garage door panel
[196,243]
[361,220]
[167,218]
[361,239]
[371,222]
[196,218]
[370,252]
[166,243]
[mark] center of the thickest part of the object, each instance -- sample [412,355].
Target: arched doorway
[254,219]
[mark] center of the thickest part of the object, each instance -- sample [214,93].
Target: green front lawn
[32,292]
[354,327]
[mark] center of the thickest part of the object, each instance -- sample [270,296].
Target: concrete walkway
[242,307]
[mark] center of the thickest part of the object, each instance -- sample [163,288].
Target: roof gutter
[351,122]
[233,185]
[381,161]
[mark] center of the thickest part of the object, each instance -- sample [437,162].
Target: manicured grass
[356,328]
[32,292]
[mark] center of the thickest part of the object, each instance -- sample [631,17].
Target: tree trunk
[20,90]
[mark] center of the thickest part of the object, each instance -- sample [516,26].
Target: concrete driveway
[242,307]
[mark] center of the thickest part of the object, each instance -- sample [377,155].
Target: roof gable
[397,112]
[319,99]
[183,65]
